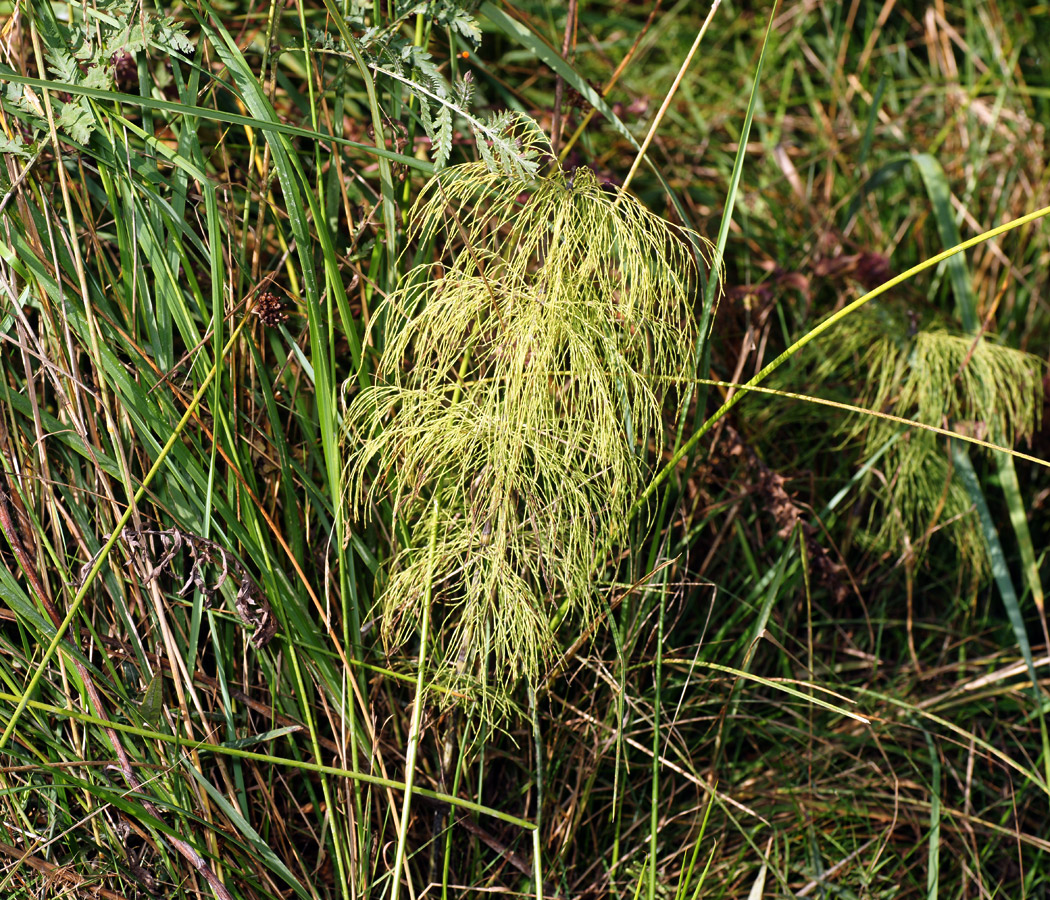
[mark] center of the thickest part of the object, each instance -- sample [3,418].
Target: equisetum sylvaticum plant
[517,402]
[930,375]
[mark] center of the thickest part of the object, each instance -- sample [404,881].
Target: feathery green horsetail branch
[517,386]
[931,376]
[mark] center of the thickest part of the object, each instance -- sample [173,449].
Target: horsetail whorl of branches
[969,383]
[519,383]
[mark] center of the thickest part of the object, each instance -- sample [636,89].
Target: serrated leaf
[425,116]
[443,138]
[77,122]
[98,77]
[128,40]
[172,36]
[13,147]
[63,66]
[486,155]
[467,26]
[369,37]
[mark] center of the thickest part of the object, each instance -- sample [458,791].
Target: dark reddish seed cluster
[270,309]
[125,70]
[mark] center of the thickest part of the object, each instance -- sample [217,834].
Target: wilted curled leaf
[254,609]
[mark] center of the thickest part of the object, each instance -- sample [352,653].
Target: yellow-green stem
[417,706]
[278,761]
[665,472]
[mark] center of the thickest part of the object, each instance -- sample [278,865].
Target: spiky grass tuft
[519,384]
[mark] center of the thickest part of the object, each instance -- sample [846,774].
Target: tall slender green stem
[417,706]
[654,811]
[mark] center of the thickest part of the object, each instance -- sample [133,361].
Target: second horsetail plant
[968,383]
[517,395]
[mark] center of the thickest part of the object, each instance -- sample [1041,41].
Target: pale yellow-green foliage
[938,378]
[518,381]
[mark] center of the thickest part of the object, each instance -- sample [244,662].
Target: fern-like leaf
[442,137]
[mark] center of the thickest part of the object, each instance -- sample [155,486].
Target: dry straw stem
[518,384]
[670,95]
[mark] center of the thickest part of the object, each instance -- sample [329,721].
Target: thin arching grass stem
[814,333]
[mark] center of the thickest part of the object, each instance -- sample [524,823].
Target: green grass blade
[996,557]
[268,126]
[939,192]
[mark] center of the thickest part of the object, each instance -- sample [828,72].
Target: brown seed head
[270,309]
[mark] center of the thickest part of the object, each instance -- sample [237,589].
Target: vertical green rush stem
[537,864]
[417,707]
[537,738]
[417,41]
[103,554]
[654,812]
[681,453]
[670,95]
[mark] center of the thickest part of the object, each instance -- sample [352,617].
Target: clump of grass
[518,385]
